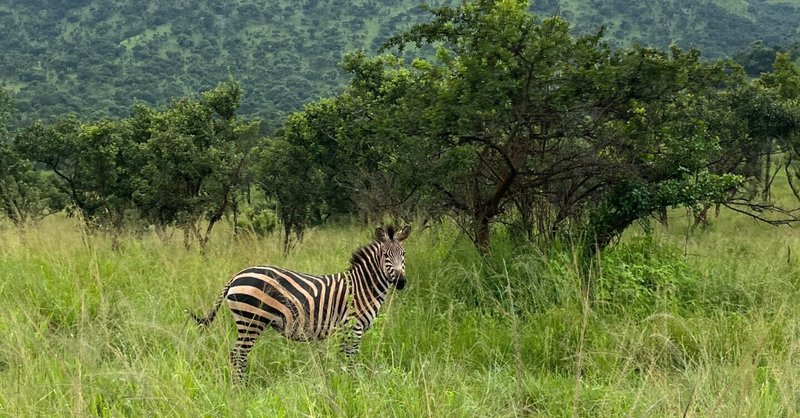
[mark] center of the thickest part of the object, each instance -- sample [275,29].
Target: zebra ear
[380,235]
[403,234]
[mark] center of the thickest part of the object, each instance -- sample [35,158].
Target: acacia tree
[92,164]
[288,173]
[176,167]
[514,110]
[195,155]
[776,95]
[328,159]
[303,167]
[24,191]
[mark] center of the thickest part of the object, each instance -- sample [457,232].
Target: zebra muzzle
[401,282]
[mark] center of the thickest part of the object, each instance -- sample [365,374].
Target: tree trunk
[663,218]
[701,217]
[767,171]
[235,209]
[115,242]
[486,211]
[482,232]
[605,234]
[207,236]
[187,238]
[287,229]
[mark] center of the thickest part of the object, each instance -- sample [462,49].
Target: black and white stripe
[305,307]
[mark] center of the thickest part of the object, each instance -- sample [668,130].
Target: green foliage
[192,156]
[758,58]
[24,191]
[763,111]
[769,108]
[225,99]
[80,57]
[6,108]
[289,174]
[91,163]
[315,162]
[195,155]
[513,120]
[647,276]
[260,221]
[784,78]
[88,162]
[94,57]
[180,166]
[516,113]
[633,199]
[718,28]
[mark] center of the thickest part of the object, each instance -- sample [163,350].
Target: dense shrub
[646,275]
[258,220]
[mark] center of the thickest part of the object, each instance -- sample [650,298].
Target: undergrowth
[671,324]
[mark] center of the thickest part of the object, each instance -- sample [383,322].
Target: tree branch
[789,216]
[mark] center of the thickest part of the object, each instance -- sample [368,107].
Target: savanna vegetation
[599,231]
[702,322]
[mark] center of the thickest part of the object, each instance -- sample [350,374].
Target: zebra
[305,307]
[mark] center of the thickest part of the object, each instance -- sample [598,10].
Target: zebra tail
[208,319]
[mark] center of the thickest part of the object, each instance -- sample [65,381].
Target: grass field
[683,324]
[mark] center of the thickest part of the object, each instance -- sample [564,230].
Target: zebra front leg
[352,343]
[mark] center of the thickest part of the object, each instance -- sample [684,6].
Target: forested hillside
[96,57]
[717,27]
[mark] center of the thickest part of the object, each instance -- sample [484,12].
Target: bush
[521,279]
[646,275]
[258,220]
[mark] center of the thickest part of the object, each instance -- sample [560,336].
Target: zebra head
[393,256]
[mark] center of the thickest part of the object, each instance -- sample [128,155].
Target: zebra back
[299,305]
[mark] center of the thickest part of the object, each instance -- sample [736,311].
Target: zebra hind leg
[247,336]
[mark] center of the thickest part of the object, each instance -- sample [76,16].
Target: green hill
[717,27]
[96,57]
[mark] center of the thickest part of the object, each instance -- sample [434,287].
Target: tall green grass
[701,323]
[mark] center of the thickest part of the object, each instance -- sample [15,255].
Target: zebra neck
[369,284]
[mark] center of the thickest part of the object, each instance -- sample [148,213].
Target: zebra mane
[362,254]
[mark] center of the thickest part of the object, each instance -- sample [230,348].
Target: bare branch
[754,210]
